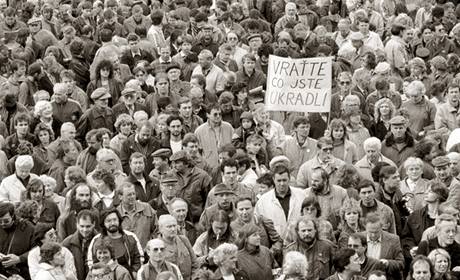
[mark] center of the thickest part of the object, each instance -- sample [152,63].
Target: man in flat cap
[169,189]
[194,183]
[100,115]
[44,37]
[129,103]
[160,163]
[206,41]
[399,143]
[444,175]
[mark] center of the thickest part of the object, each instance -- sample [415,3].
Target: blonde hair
[433,255]
[222,251]
[377,108]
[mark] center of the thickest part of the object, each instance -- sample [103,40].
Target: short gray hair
[413,161]
[24,161]
[299,261]
[222,251]
[372,142]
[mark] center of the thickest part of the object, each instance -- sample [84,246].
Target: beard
[79,205]
[112,229]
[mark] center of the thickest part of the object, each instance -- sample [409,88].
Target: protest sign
[299,85]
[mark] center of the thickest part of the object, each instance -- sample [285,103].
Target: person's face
[281,183]
[447,232]
[374,231]
[108,163]
[112,223]
[440,31]
[302,130]
[103,256]
[391,184]
[307,232]
[226,107]
[367,195]
[363,27]
[317,183]
[105,72]
[58,259]
[441,264]
[246,124]
[50,236]
[427,34]
[442,172]
[34,27]
[253,147]
[398,130]
[215,116]
[86,13]
[325,153]
[179,210]
[254,239]
[165,53]
[68,133]
[85,227]
[162,86]
[351,217]
[10,20]
[421,271]
[232,39]
[192,149]
[453,96]
[72,153]
[414,172]
[223,156]
[225,55]
[174,74]
[44,137]
[310,211]
[430,196]
[102,102]
[49,188]
[169,190]
[338,133]
[185,110]
[37,194]
[129,196]
[179,166]
[140,76]
[175,128]
[23,171]
[126,129]
[229,262]
[130,98]
[373,154]
[6,221]
[249,65]
[408,35]
[416,96]
[60,97]
[344,83]
[219,228]
[355,244]
[155,251]
[83,196]
[22,128]
[137,165]
[186,47]
[291,10]
[245,210]
[169,228]
[384,109]
[145,134]
[224,200]
[207,34]
[205,62]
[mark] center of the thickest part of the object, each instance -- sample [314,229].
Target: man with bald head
[215,81]
[68,132]
[156,250]
[341,35]
[65,109]
[178,249]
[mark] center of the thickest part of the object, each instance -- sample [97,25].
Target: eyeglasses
[159,249]
[327,150]
[344,82]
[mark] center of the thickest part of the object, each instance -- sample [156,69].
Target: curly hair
[377,108]
[48,250]
[104,64]
[43,127]
[27,210]
[338,123]
[123,119]
[348,206]
[104,244]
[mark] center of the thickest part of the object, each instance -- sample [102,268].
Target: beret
[163,152]
[179,155]
[440,161]
[100,93]
[398,120]
[169,178]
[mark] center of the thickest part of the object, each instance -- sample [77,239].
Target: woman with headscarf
[253,258]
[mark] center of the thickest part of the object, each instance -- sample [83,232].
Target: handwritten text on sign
[301,85]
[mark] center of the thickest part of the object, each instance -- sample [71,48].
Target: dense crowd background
[135,143]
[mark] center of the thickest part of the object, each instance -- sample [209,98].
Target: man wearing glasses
[155,249]
[345,88]
[323,160]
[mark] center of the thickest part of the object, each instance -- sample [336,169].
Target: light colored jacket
[269,207]
[48,272]
[331,200]
[297,154]
[211,141]
[33,260]
[446,116]
[364,168]
[396,53]
[215,80]
[11,188]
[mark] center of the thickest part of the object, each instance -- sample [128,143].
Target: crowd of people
[134,141]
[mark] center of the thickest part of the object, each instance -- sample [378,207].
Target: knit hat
[439,62]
